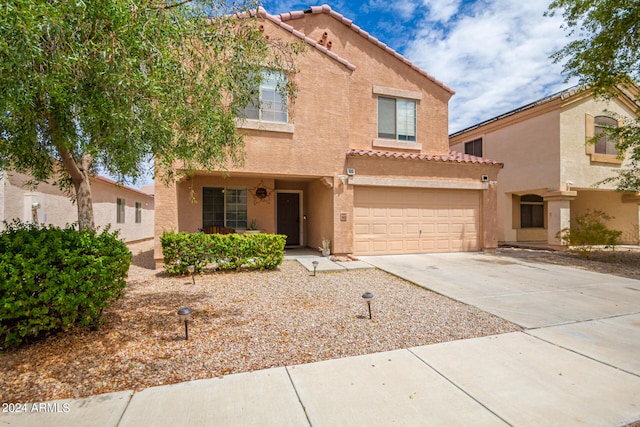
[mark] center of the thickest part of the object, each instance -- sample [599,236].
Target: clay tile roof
[280,20]
[453,157]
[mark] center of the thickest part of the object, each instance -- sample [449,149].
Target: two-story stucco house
[550,169]
[362,158]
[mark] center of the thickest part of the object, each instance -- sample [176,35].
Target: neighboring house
[362,158]
[128,210]
[550,170]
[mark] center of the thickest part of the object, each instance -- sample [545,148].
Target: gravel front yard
[241,322]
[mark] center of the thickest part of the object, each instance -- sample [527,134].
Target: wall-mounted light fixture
[344,179]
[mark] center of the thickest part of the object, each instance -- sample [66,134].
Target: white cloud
[441,10]
[494,54]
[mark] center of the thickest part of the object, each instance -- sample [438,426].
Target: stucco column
[558,214]
[343,217]
[634,198]
[166,215]
[490,218]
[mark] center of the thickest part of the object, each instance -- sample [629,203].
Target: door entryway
[288,216]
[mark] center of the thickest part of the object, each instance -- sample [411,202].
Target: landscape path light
[185,315]
[315,265]
[367,297]
[192,270]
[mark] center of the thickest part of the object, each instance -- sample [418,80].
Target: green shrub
[227,251]
[590,231]
[52,279]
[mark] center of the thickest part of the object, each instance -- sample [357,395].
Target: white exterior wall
[16,201]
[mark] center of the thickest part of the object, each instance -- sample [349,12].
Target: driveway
[593,314]
[532,295]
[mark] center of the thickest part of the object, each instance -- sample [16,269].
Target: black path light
[315,265]
[185,315]
[192,270]
[367,297]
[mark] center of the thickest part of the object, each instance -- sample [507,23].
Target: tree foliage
[112,83]
[605,56]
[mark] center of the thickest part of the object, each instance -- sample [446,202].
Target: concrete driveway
[532,295]
[596,315]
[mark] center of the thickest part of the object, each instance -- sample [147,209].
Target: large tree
[605,56]
[111,84]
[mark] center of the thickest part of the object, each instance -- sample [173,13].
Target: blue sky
[493,53]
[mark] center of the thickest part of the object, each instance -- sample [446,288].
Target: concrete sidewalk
[578,365]
[513,379]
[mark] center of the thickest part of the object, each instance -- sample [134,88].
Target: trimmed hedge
[227,251]
[52,279]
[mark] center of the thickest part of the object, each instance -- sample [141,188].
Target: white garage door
[410,220]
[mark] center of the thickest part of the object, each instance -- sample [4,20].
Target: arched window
[606,143]
[531,211]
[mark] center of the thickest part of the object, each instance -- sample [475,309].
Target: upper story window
[270,105]
[605,143]
[396,119]
[473,148]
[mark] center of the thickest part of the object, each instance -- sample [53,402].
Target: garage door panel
[396,229]
[405,220]
[412,212]
[378,246]
[379,228]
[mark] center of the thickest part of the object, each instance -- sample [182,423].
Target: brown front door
[288,206]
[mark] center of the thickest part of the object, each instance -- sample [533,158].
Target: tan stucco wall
[624,215]
[58,210]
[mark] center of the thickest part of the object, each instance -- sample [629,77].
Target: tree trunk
[79,173]
[84,201]
[78,170]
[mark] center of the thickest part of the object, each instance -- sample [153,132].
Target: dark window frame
[531,211]
[604,144]
[120,210]
[474,147]
[222,206]
[138,212]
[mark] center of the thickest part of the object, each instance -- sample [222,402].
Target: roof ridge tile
[453,156]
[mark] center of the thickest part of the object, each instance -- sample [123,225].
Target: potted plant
[326,247]
[252,228]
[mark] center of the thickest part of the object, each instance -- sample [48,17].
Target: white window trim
[397,143]
[267,74]
[253,124]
